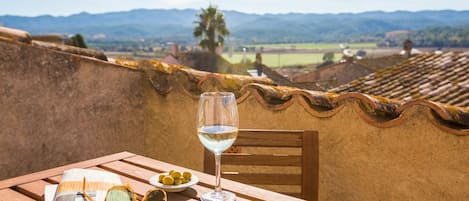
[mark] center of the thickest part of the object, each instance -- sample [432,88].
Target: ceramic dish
[172,188]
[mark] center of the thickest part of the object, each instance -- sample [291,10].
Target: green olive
[187,175]
[168,180]
[177,181]
[176,174]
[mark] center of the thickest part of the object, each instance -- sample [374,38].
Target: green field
[316,46]
[282,59]
[296,58]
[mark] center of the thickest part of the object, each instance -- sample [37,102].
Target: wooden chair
[241,154]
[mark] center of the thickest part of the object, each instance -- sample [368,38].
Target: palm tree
[211,26]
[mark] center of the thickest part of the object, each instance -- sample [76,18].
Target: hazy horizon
[65,8]
[117,11]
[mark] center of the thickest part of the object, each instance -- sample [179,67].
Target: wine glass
[217,129]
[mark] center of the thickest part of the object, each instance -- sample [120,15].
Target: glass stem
[217,172]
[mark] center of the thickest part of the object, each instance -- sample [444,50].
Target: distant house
[441,78]
[336,74]
[171,59]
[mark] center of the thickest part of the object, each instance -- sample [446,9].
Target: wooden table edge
[59,170]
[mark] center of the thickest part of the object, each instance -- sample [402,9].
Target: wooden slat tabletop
[133,169]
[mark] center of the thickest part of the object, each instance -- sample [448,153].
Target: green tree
[327,58]
[78,41]
[211,28]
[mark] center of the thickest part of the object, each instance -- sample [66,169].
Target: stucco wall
[57,108]
[413,160]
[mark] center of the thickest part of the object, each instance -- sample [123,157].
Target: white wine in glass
[217,129]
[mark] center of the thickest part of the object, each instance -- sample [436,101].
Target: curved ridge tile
[436,120]
[376,121]
[214,77]
[376,104]
[272,97]
[125,63]
[317,98]
[445,112]
[317,103]
[244,96]
[318,111]
[15,35]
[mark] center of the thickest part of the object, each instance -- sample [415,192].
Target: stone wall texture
[58,108]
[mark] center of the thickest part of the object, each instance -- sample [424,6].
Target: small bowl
[173,188]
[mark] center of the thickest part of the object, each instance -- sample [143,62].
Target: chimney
[258,64]
[174,49]
[408,48]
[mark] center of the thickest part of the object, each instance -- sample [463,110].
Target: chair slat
[308,161]
[11,195]
[270,160]
[33,189]
[310,168]
[269,179]
[259,138]
[292,194]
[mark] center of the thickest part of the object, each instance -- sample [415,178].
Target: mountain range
[291,27]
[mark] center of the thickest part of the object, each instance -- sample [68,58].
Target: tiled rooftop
[442,78]
[334,75]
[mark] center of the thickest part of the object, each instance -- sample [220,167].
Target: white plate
[172,188]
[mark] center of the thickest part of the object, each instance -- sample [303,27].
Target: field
[280,59]
[278,55]
[313,46]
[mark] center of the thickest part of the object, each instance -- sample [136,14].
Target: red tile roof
[440,78]
[337,74]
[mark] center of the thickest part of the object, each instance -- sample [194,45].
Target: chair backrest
[252,151]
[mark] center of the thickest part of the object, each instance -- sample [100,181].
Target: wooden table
[133,169]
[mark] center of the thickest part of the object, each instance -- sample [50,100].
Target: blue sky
[67,7]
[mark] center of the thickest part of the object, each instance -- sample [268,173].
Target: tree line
[432,37]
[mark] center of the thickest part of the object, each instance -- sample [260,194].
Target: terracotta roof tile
[441,78]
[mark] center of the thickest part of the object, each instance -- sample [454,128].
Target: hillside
[159,23]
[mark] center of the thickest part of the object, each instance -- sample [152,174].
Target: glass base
[218,196]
